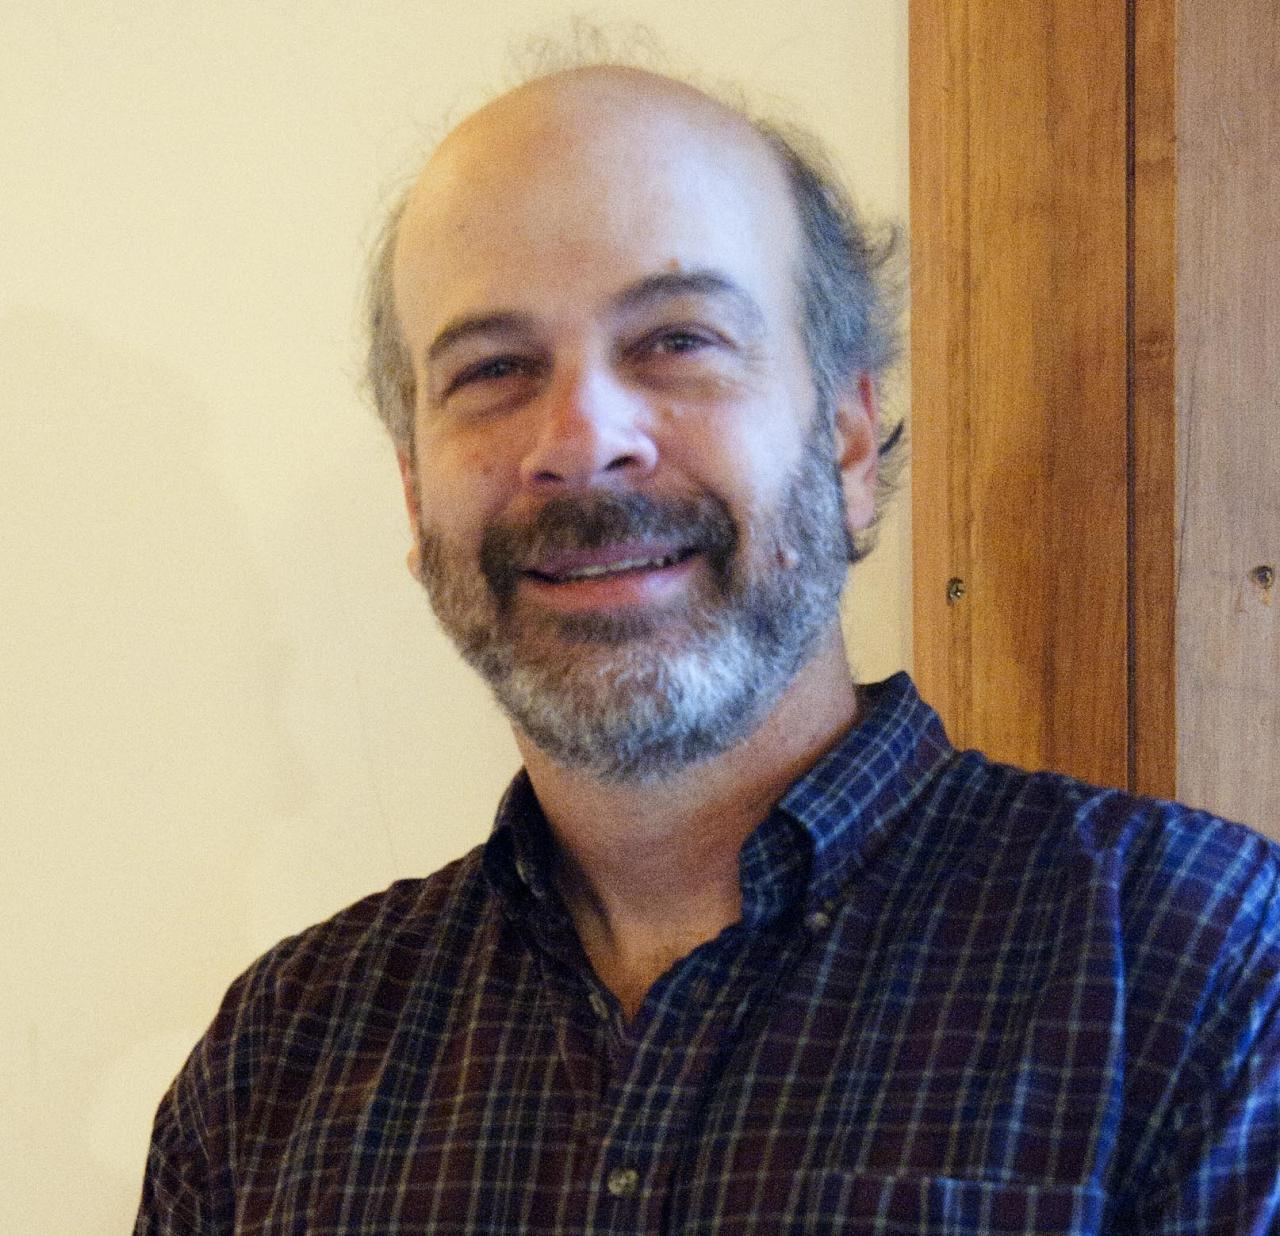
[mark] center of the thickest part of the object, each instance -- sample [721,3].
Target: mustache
[599,520]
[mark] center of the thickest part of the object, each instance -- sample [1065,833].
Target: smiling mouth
[599,566]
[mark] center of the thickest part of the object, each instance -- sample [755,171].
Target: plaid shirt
[961,998]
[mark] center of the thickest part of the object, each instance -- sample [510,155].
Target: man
[749,950]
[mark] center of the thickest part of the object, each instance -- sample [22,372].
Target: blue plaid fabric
[962,999]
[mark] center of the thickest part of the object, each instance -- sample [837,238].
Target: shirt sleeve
[188,1188]
[176,1185]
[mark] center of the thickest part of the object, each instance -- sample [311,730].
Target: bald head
[580,169]
[602,95]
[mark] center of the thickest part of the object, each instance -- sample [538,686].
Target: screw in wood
[1264,576]
[955,589]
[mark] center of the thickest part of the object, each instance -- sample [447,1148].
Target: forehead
[558,196]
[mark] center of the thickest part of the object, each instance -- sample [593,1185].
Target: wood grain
[940,368]
[1153,750]
[1228,401]
[1019,358]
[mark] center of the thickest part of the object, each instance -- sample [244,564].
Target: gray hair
[388,366]
[848,285]
[850,296]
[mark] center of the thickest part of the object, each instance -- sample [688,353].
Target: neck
[650,871]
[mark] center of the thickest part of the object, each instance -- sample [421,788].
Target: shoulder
[1152,851]
[346,975]
[1185,905]
[320,995]
[309,978]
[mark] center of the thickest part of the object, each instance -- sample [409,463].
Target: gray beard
[638,697]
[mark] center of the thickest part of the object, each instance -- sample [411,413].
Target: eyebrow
[477,324]
[669,285]
[651,290]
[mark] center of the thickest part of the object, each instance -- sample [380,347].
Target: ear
[409,481]
[857,425]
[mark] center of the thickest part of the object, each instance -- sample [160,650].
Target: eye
[680,341]
[676,341]
[491,369]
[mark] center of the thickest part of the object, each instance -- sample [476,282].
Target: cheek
[462,486]
[758,460]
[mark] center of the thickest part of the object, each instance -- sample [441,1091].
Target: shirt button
[529,878]
[623,1181]
[818,921]
[599,1006]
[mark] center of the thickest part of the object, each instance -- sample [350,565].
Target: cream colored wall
[226,711]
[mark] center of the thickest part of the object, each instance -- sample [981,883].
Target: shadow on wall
[144,681]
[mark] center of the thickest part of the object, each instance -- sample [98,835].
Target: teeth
[616,568]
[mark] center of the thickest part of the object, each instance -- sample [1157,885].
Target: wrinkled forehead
[574,174]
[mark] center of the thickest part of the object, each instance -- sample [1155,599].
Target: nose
[592,430]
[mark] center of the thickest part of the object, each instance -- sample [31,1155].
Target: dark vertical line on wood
[1131,360]
[963,508]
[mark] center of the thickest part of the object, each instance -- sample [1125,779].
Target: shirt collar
[518,857]
[826,826]
[849,802]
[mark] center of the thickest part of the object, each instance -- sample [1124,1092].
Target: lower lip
[651,586]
